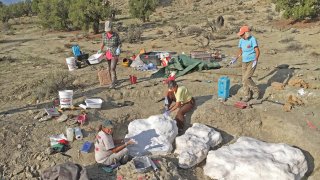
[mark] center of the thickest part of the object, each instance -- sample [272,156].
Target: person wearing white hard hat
[110,45]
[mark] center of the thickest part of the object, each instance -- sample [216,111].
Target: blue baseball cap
[107,124]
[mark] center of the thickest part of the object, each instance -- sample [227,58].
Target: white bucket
[66,98]
[71,62]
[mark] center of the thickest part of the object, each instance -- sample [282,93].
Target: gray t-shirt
[103,144]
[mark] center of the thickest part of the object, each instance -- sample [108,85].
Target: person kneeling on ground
[105,151]
[183,101]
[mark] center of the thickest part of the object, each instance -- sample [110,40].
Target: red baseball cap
[243,29]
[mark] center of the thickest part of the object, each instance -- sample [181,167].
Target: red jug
[133,79]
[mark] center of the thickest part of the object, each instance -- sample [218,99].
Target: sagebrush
[298,9]
[52,83]
[134,33]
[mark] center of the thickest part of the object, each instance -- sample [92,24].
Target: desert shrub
[294,47]
[73,14]
[5,14]
[84,13]
[176,30]
[204,39]
[54,14]
[53,82]
[134,33]
[15,10]
[298,9]
[215,24]
[287,40]
[194,30]
[35,6]
[231,19]
[142,9]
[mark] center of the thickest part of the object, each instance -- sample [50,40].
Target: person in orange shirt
[111,45]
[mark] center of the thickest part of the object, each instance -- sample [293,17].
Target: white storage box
[96,58]
[93,103]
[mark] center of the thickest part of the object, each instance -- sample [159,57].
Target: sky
[10,1]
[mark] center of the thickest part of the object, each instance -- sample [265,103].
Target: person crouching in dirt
[105,150]
[111,44]
[249,50]
[183,101]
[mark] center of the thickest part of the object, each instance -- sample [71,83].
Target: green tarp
[184,64]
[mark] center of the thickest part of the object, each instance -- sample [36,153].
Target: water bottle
[118,51]
[70,134]
[78,133]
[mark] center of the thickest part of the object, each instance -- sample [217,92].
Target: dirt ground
[289,53]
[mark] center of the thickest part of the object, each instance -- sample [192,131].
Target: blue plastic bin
[223,87]
[76,50]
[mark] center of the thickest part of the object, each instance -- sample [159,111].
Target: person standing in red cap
[249,50]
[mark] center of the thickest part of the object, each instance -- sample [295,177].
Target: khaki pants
[112,64]
[121,156]
[248,84]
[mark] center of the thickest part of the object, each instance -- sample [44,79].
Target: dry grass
[61,37]
[176,30]
[231,18]
[155,46]
[52,83]
[57,50]
[8,59]
[159,31]
[287,40]
[294,47]
[134,33]
[269,18]
[315,54]
[193,30]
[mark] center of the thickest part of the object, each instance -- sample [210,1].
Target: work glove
[254,63]
[233,60]
[118,51]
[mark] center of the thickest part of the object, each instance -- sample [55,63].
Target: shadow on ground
[15,40]
[310,162]
[281,74]
[199,101]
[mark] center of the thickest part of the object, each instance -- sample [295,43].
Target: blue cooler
[223,88]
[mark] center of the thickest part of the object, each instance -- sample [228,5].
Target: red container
[170,78]
[133,79]
[241,105]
